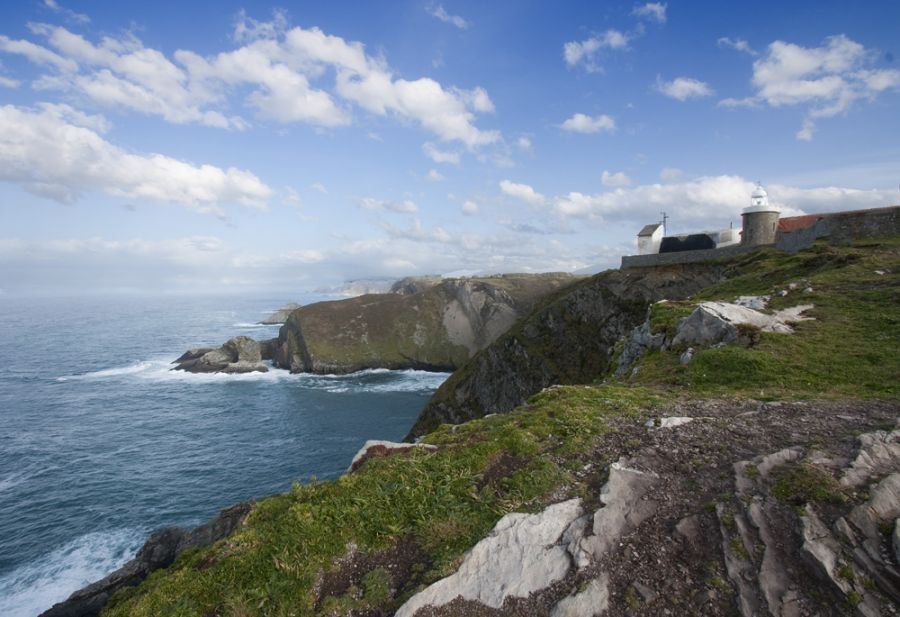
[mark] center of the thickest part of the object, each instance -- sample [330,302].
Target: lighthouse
[760,220]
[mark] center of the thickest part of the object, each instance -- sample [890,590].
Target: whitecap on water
[38,585]
[370,380]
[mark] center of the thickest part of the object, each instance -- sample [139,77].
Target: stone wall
[843,227]
[683,257]
[839,227]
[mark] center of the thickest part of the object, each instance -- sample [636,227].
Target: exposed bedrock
[745,509]
[239,355]
[568,339]
[158,552]
[429,326]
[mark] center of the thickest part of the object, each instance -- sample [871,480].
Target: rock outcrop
[239,355]
[437,327]
[791,530]
[280,316]
[711,323]
[377,447]
[158,552]
[569,339]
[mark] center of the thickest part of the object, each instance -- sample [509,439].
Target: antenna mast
[665,217]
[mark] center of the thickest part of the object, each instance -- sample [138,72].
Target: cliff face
[430,327]
[568,340]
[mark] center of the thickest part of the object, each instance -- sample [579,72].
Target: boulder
[239,355]
[523,554]
[718,322]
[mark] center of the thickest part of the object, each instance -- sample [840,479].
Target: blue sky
[235,147]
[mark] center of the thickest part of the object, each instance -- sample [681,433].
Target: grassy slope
[442,503]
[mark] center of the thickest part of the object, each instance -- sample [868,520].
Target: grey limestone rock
[592,601]
[524,553]
[241,354]
[281,315]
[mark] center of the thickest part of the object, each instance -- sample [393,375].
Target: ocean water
[100,443]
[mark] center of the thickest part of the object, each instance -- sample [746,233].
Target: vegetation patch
[801,483]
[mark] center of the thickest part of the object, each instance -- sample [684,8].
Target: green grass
[438,500]
[801,483]
[850,350]
[444,502]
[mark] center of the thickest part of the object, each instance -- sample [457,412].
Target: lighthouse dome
[759,201]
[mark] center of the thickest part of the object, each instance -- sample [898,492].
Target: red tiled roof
[793,223]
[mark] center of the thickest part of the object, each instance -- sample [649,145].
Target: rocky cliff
[425,325]
[568,339]
[761,477]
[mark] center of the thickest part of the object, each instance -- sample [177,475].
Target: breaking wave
[36,586]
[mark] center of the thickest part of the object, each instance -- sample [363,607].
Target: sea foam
[36,586]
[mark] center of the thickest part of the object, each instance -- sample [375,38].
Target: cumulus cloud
[737,44]
[683,88]
[286,70]
[587,52]
[440,156]
[57,152]
[7,82]
[435,176]
[439,12]
[318,186]
[826,80]
[616,180]
[709,202]
[522,192]
[654,11]
[406,206]
[524,144]
[582,123]
[469,207]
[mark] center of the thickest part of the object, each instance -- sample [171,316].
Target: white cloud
[586,52]
[469,207]
[670,173]
[683,88]
[287,72]
[581,123]
[737,44]
[56,152]
[306,256]
[440,156]
[522,192]
[616,180]
[291,197]
[79,18]
[524,144]
[406,206]
[318,186]
[806,131]
[445,17]
[6,82]
[435,176]
[654,11]
[826,80]
[37,54]
[709,202]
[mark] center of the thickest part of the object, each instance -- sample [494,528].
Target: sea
[101,443]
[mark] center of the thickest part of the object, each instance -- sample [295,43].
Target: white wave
[38,585]
[13,479]
[377,380]
[246,324]
[131,369]
[370,380]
